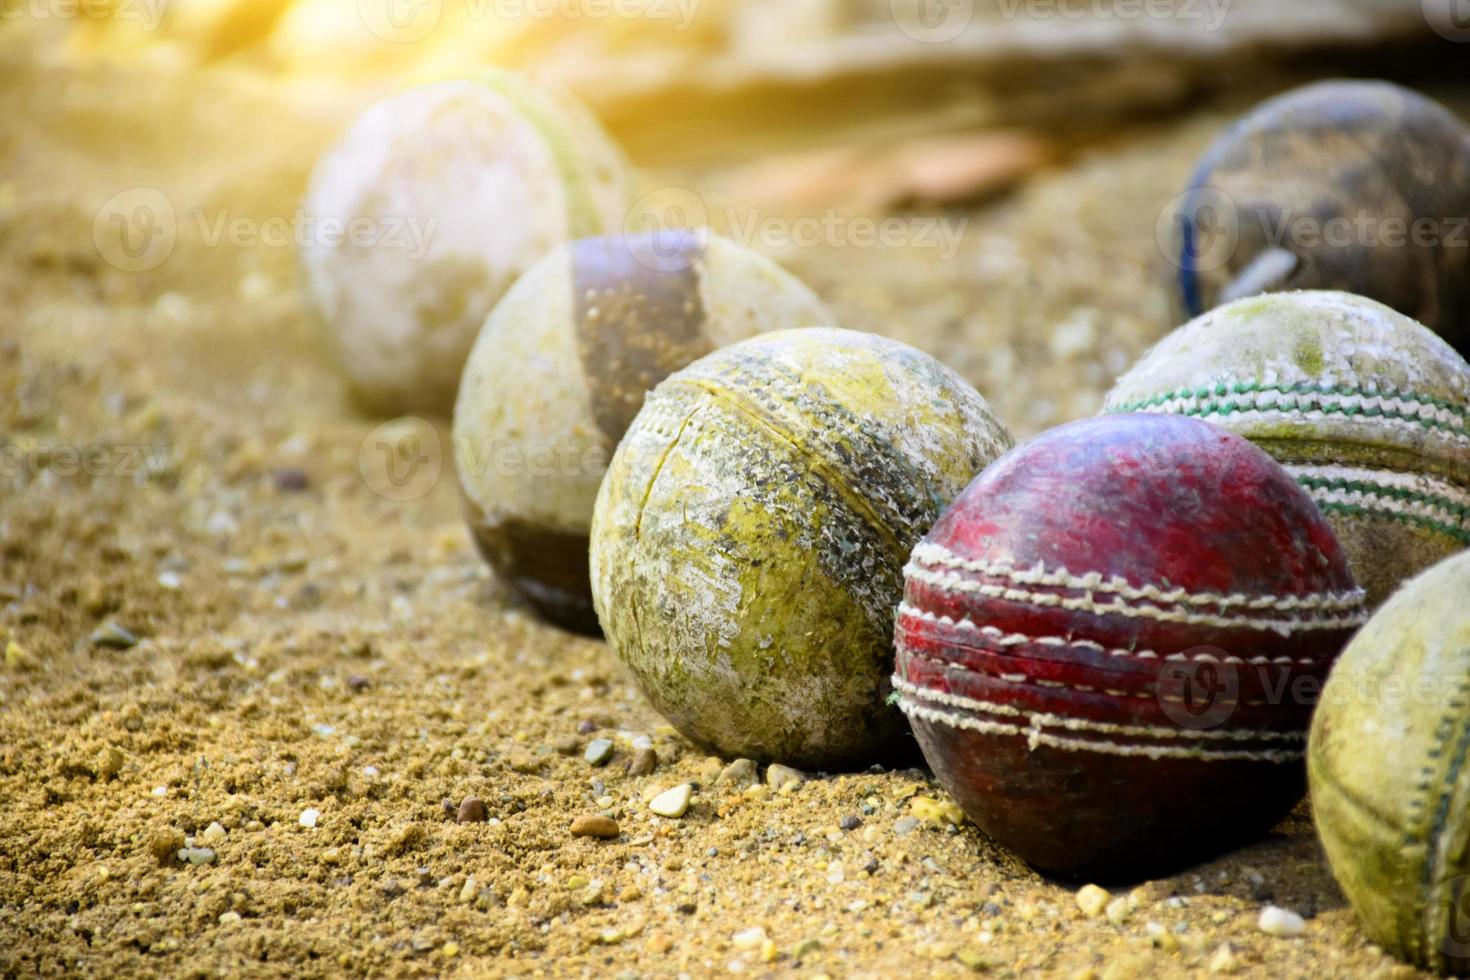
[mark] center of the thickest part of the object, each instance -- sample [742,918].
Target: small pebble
[472,810]
[1224,960]
[16,656]
[308,817]
[1282,923]
[738,774]
[111,636]
[165,843]
[229,918]
[939,813]
[599,751]
[290,480]
[672,802]
[850,823]
[213,832]
[805,947]
[1092,900]
[643,763]
[196,855]
[904,825]
[778,776]
[746,939]
[595,825]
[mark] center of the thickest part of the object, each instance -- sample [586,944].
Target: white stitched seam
[954,582]
[1036,738]
[1389,479]
[1002,638]
[1046,719]
[1445,426]
[936,554]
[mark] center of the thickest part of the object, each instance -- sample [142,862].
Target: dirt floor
[215,628]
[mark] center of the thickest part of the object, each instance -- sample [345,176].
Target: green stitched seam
[1461,511]
[1459,534]
[1223,390]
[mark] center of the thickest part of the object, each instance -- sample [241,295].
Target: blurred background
[987,179]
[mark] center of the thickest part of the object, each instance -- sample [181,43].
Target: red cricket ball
[1111,643]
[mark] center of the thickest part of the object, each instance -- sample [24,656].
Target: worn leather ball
[1388,768]
[749,538]
[429,207]
[1369,410]
[1362,186]
[1109,644]
[560,370]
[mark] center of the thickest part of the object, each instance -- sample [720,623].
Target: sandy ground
[306,644]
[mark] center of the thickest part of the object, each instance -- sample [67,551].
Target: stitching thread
[1035,738]
[1149,693]
[954,582]
[938,554]
[1005,639]
[1086,725]
[1219,399]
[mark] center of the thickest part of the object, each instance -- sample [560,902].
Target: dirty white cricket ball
[429,207]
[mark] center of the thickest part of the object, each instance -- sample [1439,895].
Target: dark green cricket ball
[1361,186]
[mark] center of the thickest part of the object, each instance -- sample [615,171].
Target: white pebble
[1282,923]
[751,938]
[1092,900]
[672,802]
[214,831]
[309,817]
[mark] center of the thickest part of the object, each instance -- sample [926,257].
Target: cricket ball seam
[953,582]
[834,476]
[1390,402]
[1036,738]
[1037,718]
[1026,680]
[1277,414]
[1038,574]
[1002,638]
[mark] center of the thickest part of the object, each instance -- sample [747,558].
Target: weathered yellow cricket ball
[560,370]
[429,207]
[749,539]
[1389,766]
